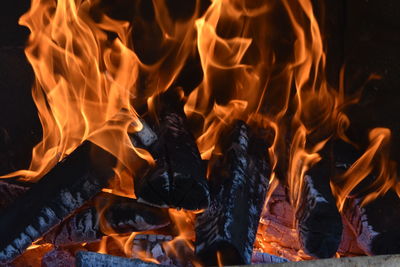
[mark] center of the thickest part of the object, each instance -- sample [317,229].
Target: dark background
[362,35]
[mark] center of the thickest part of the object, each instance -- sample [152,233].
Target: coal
[178,178]
[120,214]
[239,179]
[72,182]
[93,259]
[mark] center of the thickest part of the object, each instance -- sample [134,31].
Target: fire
[90,80]
[84,81]
[385,173]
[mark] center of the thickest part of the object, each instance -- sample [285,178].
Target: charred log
[178,178]
[10,191]
[259,257]
[122,215]
[65,188]
[93,259]
[375,224]
[145,138]
[239,180]
[58,258]
[318,220]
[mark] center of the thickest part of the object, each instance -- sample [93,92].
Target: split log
[72,182]
[318,220]
[376,224]
[121,214]
[239,178]
[93,259]
[178,178]
[259,257]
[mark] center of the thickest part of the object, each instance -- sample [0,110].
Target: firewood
[10,191]
[318,220]
[376,223]
[72,182]
[259,257]
[58,258]
[121,214]
[178,178]
[239,178]
[277,233]
[93,259]
[145,138]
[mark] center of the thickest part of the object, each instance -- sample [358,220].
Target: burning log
[375,224]
[318,220]
[58,258]
[93,259]
[226,231]
[259,257]
[145,138]
[178,179]
[65,188]
[121,214]
[277,233]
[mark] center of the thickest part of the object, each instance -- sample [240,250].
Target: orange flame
[267,73]
[385,173]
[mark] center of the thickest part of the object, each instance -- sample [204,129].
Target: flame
[385,175]
[93,72]
[182,246]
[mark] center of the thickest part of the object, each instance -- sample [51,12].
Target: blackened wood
[376,224]
[278,235]
[318,220]
[259,257]
[239,180]
[9,192]
[65,188]
[178,178]
[145,138]
[58,258]
[121,214]
[93,259]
